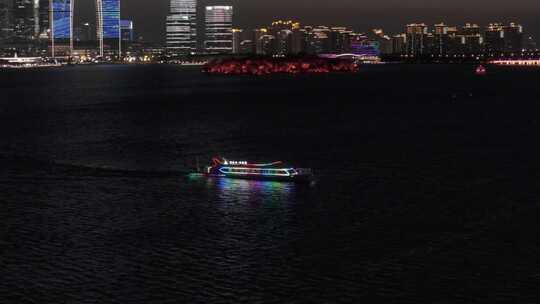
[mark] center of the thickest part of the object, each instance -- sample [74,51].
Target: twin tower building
[107,22]
[183,27]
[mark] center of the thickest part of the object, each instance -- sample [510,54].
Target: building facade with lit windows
[494,38]
[6,19]
[62,19]
[416,37]
[26,19]
[513,37]
[181,31]
[218,29]
[237,40]
[126,29]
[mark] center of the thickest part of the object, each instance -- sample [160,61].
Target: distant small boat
[276,171]
[481,70]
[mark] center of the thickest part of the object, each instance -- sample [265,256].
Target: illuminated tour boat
[276,171]
[481,70]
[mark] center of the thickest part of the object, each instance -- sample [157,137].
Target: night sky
[149,15]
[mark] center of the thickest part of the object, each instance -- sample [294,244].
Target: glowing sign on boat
[233,162]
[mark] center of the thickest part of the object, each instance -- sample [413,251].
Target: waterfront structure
[126,28]
[520,62]
[181,31]
[218,32]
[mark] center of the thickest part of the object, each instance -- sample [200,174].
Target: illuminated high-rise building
[258,42]
[282,30]
[62,19]
[26,19]
[44,16]
[384,41]
[299,41]
[6,19]
[471,39]
[494,38]
[318,40]
[218,32]
[441,39]
[236,40]
[108,23]
[266,45]
[181,32]
[513,37]
[399,44]
[416,44]
[340,40]
[126,27]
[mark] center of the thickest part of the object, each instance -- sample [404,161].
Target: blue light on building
[62,19]
[111,19]
[126,27]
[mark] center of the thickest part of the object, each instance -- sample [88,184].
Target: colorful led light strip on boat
[252,171]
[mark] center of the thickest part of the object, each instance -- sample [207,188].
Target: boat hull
[290,179]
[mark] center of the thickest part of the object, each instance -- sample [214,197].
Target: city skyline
[150,20]
[194,27]
[388,14]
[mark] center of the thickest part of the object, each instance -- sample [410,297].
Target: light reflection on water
[268,193]
[239,191]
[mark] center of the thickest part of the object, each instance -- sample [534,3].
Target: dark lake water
[428,186]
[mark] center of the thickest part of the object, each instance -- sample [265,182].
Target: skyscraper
[126,27]
[416,39]
[181,32]
[6,19]
[513,38]
[237,40]
[472,39]
[108,22]
[44,16]
[494,36]
[218,33]
[62,19]
[107,17]
[26,19]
